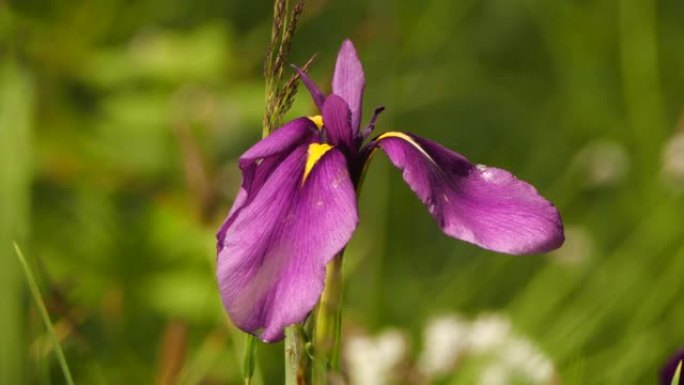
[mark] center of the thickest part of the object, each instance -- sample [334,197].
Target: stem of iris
[327,324]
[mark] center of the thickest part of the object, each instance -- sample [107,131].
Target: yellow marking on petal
[401,135]
[315,152]
[317,120]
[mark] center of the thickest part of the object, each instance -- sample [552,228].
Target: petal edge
[486,206]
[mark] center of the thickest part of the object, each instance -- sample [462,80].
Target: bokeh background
[121,122]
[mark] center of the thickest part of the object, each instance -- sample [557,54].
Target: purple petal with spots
[273,254]
[316,94]
[482,205]
[349,81]
[337,122]
[260,160]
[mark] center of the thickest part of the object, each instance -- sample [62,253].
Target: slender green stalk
[35,292]
[678,373]
[249,359]
[296,359]
[327,326]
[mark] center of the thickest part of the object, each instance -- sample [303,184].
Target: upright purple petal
[316,94]
[259,161]
[337,122]
[482,205]
[349,81]
[273,254]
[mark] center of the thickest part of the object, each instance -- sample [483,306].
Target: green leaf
[17,100]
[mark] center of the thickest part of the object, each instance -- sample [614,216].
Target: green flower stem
[327,326]
[249,359]
[296,358]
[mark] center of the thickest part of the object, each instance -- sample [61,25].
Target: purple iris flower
[296,208]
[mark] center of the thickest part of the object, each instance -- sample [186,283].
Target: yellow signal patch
[315,152]
[317,120]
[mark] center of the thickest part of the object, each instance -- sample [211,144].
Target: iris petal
[274,250]
[315,92]
[337,121]
[349,81]
[260,160]
[482,205]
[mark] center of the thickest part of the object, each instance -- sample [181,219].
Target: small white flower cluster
[445,339]
[373,360]
[449,339]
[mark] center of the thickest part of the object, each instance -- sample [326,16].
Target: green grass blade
[35,292]
[17,104]
[678,373]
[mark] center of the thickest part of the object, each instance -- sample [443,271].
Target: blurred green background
[120,124]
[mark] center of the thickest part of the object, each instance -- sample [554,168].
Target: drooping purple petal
[483,205]
[258,161]
[349,81]
[316,94]
[271,266]
[337,121]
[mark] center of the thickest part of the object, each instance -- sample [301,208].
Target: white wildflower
[488,332]
[371,361]
[445,339]
[489,339]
